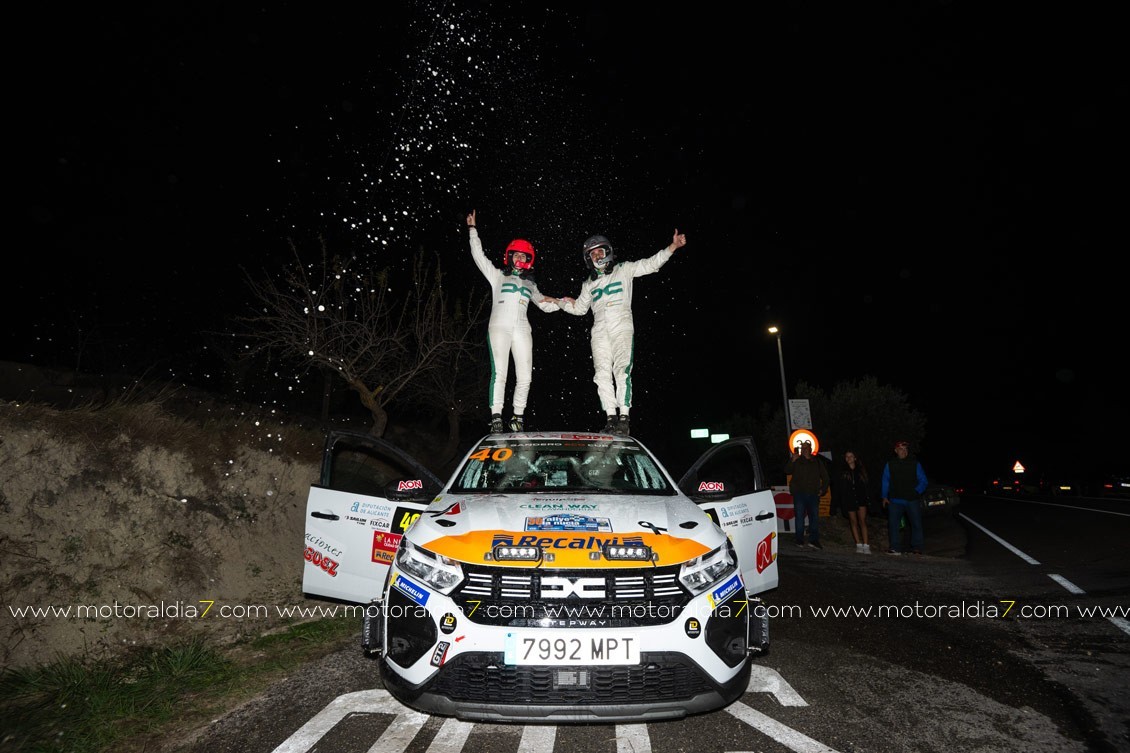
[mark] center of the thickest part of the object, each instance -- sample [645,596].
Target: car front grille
[659,677]
[571,598]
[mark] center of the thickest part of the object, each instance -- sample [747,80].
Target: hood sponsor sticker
[725,591]
[447,624]
[569,550]
[411,590]
[693,627]
[568,522]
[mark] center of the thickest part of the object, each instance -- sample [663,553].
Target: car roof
[578,436]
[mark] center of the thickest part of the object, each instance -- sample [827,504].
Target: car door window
[732,467]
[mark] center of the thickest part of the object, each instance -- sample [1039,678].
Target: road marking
[765,680]
[399,735]
[632,738]
[407,722]
[537,738]
[1056,504]
[1066,583]
[1118,622]
[451,737]
[770,727]
[1001,541]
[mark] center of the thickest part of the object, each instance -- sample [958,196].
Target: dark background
[927,193]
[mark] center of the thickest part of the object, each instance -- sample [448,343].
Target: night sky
[921,192]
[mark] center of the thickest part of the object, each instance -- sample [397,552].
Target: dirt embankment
[130,525]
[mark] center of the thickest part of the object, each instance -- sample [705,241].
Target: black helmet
[599,241]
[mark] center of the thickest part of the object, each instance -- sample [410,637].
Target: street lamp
[784,390]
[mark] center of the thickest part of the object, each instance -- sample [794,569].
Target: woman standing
[508,332]
[853,495]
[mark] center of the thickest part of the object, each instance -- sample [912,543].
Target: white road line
[787,736]
[451,737]
[360,702]
[766,680]
[1001,541]
[399,735]
[537,738]
[1066,583]
[1118,622]
[632,738]
[1056,504]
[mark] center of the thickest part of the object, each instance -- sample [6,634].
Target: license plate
[935,503]
[568,647]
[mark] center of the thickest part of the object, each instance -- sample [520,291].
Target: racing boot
[496,425]
[622,425]
[517,423]
[610,424]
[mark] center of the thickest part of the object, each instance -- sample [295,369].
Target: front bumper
[440,661]
[663,686]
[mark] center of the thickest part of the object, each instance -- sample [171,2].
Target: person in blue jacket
[904,480]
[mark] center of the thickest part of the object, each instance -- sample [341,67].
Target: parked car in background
[940,499]
[1114,486]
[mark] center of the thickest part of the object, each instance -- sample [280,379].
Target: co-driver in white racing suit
[608,292]
[508,331]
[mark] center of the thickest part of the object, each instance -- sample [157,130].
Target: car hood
[571,528]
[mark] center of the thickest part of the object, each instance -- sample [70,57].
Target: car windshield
[531,465]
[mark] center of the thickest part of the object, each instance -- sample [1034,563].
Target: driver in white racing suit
[508,331]
[608,292]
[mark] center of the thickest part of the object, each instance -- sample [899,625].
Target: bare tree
[459,388]
[383,336]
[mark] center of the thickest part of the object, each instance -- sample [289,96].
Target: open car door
[729,484]
[368,495]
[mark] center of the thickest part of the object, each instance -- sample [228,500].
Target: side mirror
[407,490]
[711,491]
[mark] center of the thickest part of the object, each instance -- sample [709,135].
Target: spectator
[851,492]
[808,480]
[904,480]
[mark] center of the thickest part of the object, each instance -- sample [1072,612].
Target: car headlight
[439,572]
[701,572]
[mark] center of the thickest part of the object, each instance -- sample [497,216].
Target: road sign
[803,435]
[800,414]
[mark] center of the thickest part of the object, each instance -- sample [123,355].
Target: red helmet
[522,246]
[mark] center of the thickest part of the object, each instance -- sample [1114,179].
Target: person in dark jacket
[903,484]
[851,492]
[808,480]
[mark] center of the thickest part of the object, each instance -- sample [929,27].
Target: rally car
[556,577]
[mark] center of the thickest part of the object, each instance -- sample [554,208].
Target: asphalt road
[980,649]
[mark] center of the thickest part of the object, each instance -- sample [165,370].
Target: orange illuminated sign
[803,435]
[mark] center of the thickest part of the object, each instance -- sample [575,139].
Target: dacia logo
[610,289]
[556,587]
[522,290]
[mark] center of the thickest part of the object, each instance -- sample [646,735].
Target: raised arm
[653,263]
[481,261]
